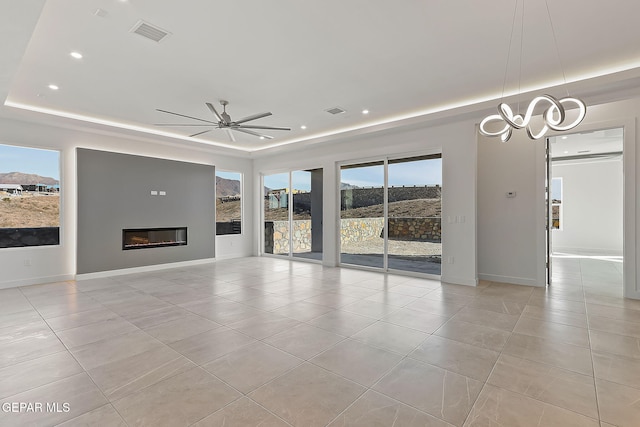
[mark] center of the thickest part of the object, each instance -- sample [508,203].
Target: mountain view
[227,187]
[26,178]
[347,186]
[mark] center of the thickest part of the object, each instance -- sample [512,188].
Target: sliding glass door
[362,214]
[276,214]
[390,214]
[414,214]
[293,214]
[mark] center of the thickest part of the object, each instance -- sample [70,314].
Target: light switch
[163,193]
[511,194]
[154,193]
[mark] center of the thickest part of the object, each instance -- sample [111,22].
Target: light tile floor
[271,342]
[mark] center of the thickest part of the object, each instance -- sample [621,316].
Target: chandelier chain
[555,43]
[554,116]
[506,67]
[521,52]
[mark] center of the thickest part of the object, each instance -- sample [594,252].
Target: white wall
[507,227]
[458,145]
[55,263]
[591,206]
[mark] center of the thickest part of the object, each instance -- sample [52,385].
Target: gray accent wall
[114,193]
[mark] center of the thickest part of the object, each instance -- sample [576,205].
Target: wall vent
[336,110]
[149,31]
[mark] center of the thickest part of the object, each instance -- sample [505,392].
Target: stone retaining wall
[351,230]
[416,229]
[362,197]
[358,229]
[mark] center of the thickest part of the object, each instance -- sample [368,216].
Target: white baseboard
[233,256]
[143,269]
[509,279]
[36,281]
[459,281]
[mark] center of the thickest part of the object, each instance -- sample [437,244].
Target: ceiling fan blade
[199,133]
[230,135]
[262,127]
[214,111]
[179,124]
[182,115]
[252,133]
[253,117]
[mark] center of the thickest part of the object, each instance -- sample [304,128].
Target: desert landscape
[416,208]
[30,210]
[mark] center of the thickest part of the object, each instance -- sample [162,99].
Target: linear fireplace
[144,238]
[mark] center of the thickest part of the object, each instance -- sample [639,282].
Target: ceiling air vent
[336,110]
[149,31]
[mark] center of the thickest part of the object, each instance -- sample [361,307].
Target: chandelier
[554,116]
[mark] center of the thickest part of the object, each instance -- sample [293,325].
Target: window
[228,203]
[293,214]
[390,214]
[29,197]
[556,203]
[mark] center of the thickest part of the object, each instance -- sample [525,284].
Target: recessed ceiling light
[303,127]
[566,152]
[76,55]
[53,87]
[365,111]
[262,137]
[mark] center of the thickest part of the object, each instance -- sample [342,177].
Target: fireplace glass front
[144,238]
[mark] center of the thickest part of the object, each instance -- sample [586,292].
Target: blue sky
[45,163]
[228,175]
[421,172]
[279,180]
[301,180]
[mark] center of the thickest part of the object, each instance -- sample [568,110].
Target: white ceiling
[399,60]
[587,143]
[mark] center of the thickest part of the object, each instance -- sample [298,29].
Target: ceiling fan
[225,122]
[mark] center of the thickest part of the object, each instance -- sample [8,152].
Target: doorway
[585,211]
[292,213]
[390,214]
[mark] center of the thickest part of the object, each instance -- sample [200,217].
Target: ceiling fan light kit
[225,122]
[554,115]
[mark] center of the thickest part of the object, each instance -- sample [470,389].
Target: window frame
[60,226]
[242,191]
